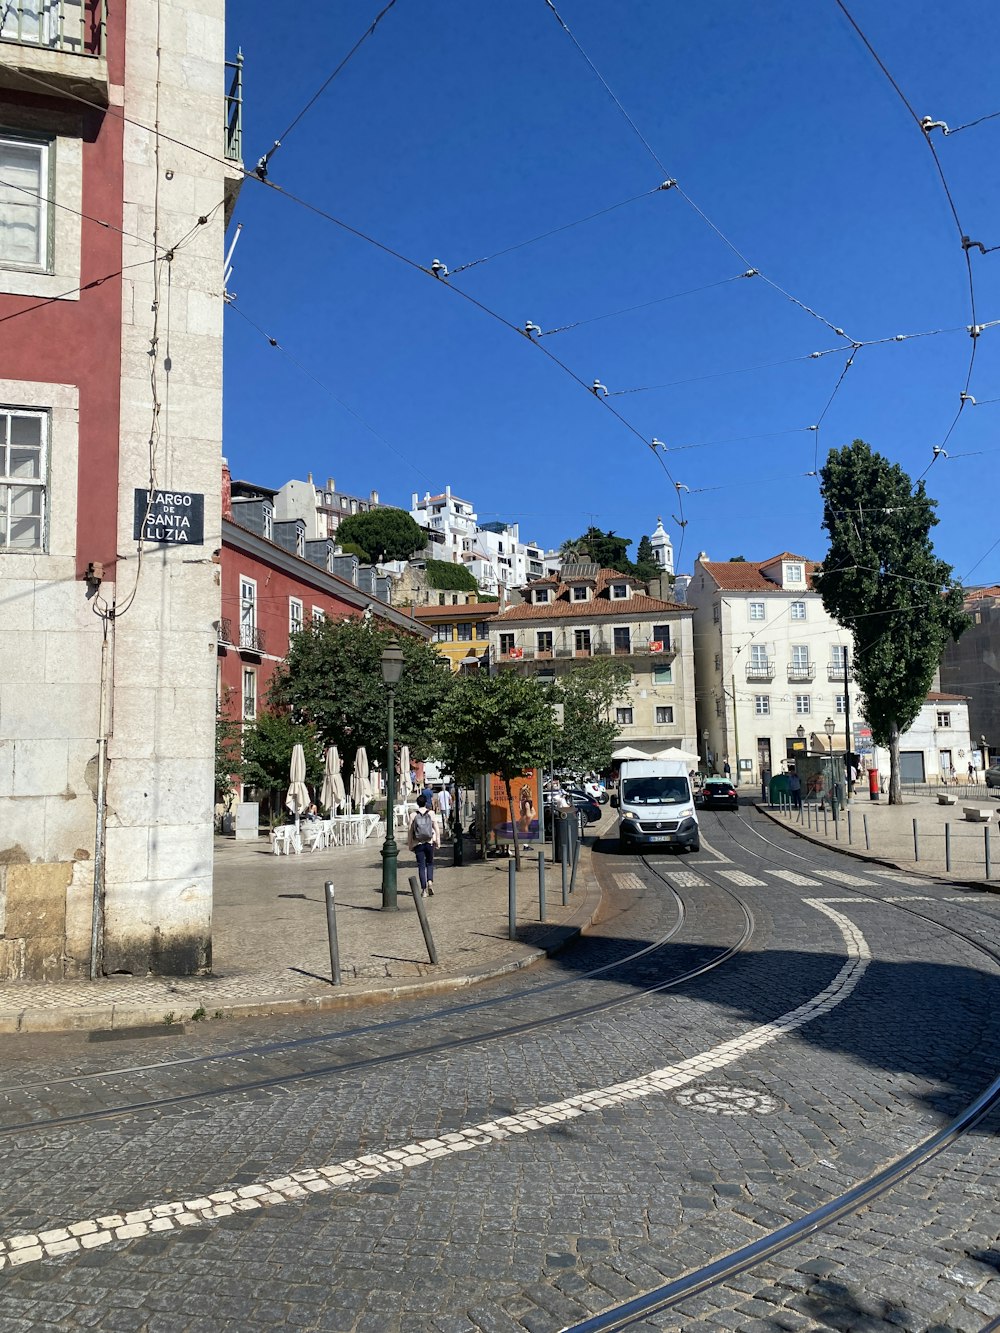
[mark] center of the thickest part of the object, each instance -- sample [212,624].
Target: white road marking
[686,879]
[713,852]
[164,1218]
[793,877]
[909,898]
[856,898]
[741,878]
[722,1099]
[897,876]
[628,881]
[842,877]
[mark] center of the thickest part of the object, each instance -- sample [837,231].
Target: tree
[267,755]
[882,581]
[227,749]
[496,724]
[737,559]
[332,679]
[444,575]
[587,737]
[382,534]
[645,565]
[607,550]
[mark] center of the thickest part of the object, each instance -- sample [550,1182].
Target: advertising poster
[524,790]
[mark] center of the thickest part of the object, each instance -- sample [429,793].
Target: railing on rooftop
[76,27]
[233,146]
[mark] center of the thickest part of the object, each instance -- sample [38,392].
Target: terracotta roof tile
[936,698]
[747,576]
[978,594]
[467,611]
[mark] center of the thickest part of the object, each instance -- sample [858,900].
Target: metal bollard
[541,881]
[512,900]
[986,849]
[916,843]
[331,930]
[868,844]
[564,868]
[809,816]
[947,847]
[850,832]
[425,926]
[576,858]
[836,824]
[826,827]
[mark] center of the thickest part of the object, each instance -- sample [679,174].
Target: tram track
[285,1079]
[726,1267]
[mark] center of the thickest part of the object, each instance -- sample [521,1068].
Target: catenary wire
[970,123]
[645,305]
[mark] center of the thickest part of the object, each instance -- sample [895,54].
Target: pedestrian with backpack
[423,835]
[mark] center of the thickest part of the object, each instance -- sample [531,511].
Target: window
[623,640]
[541,595]
[803,703]
[623,716]
[758,657]
[249,694]
[581,639]
[716,614]
[663,675]
[465,631]
[800,657]
[718,661]
[944,719]
[294,615]
[544,640]
[793,573]
[762,704]
[300,542]
[343,502]
[756,610]
[482,630]
[441,634]
[840,703]
[24,216]
[837,657]
[798,610]
[580,593]
[664,715]
[248,613]
[661,634]
[718,708]
[268,518]
[318,615]
[619,590]
[22,480]
[506,644]
[441,599]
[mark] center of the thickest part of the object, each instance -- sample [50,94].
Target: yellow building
[460,633]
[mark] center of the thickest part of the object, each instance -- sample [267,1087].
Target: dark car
[585,802]
[718,794]
[993,777]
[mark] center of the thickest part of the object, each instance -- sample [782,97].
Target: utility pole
[848,746]
[736,727]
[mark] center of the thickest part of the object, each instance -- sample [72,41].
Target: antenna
[227,268]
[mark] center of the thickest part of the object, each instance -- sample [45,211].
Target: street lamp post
[392,669]
[708,756]
[985,754]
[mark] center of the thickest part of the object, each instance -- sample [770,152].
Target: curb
[119,1018]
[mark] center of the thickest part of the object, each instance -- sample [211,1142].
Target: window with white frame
[580,593]
[300,542]
[758,657]
[663,675]
[268,521]
[623,717]
[318,615]
[944,719]
[24,210]
[581,640]
[249,694]
[541,595]
[803,703]
[23,468]
[441,634]
[798,611]
[837,656]
[716,613]
[465,631]
[248,613]
[840,703]
[800,657]
[756,610]
[718,707]
[762,704]
[619,590]
[294,615]
[793,573]
[664,714]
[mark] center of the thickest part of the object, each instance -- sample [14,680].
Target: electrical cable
[970,123]
[645,305]
[73,291]
[55,203]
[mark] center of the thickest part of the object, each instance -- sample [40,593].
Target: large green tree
[882,581]
[588,693]
[332,679]
[382,534]
[267,756]
[496,724]
[608,550]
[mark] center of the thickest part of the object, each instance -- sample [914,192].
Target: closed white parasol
[333,794]
[297,797]
[361,787]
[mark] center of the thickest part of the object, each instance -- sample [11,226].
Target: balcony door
[248,613]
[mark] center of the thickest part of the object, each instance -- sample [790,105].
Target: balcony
[251,639]
[835,672]
[232,142]
[54,46]
[761,670]
[225,632]
[801,674]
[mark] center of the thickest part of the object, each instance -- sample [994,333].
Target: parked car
[718,794]
[597,790]
[585,803]
[993,777]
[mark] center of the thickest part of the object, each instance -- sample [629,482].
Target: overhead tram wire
[674,184]
[925,125]
[645,305]
[262,162]
[969,124]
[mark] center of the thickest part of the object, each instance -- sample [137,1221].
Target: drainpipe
[97,910]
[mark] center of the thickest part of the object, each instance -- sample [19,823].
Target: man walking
[444,806]
[423,835]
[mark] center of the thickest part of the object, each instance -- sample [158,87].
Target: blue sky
[458,130]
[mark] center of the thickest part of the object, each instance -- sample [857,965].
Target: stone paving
[271,946]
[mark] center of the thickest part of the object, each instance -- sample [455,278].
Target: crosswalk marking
[686,879]
[842,877]
[793,877]
[628,881]
[742,879]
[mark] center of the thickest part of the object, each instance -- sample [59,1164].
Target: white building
[770,678]
[663,548]
[321,508]
[492,552]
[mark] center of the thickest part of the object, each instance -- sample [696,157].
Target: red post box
[873,784]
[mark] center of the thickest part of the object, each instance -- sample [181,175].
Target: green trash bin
[566,833]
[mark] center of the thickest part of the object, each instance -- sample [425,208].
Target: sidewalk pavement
[882,833]
[271,949]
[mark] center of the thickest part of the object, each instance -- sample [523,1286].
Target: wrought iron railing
[225,630]
[797,673]
[760,670]
[76,27]
[233,145]
[835,671]
[252,638]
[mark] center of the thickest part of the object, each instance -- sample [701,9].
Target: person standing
[795,789]
[422,836]
[727,772]
[444,805]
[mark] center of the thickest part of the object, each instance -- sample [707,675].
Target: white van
[656,806]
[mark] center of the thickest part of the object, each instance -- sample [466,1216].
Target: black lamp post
[800,731]
[829,726]
[392,669]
